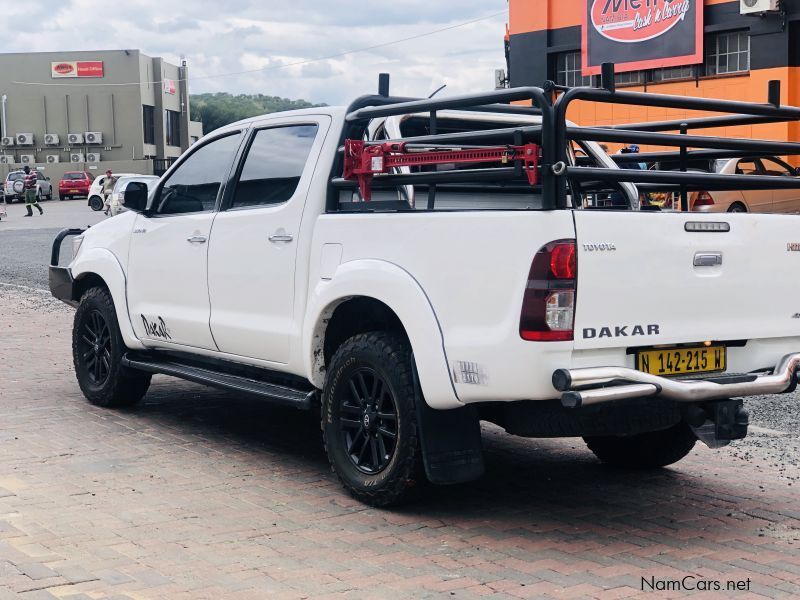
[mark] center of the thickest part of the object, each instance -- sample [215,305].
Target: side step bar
[597,385]
[277,394]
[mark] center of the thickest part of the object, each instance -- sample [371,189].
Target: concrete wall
[111,105]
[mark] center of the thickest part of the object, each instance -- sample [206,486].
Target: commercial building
[712,48]
[93,110]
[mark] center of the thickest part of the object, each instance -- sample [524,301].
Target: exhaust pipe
[584,387]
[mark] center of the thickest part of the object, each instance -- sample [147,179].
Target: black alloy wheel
[369,418]
[97,351]
[368,421]
[94,347]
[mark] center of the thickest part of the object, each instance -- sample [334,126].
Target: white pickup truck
[412,298]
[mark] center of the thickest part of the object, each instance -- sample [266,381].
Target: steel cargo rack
[539,157]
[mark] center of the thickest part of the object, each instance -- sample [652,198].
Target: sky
[227,36]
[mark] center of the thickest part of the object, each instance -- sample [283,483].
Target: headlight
[76,245]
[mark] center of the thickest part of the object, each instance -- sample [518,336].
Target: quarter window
[274,165]
[195,184]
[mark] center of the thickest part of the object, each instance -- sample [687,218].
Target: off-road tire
[121,386]
[96,203]
[650,450]
[388,356]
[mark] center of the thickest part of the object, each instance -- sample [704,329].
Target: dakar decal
[156,328]
[632,21]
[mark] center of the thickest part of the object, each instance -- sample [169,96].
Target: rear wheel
[737,207]
[646,450]
[97,351]
[369,420]
[96,203]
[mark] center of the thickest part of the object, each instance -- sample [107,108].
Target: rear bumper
[598,385]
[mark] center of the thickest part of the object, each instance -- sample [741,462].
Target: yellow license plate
[683,361]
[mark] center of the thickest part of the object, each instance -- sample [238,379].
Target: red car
[74,183]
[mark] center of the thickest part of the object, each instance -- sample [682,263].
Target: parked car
[74,183]
[118,195]
[758,201]
[44,189]
[292,257]
[95,200]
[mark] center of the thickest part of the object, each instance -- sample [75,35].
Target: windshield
[73,176]
[16,176]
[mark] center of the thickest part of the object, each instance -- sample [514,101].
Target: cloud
[243,35]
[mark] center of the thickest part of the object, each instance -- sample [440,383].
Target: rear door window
[274,165]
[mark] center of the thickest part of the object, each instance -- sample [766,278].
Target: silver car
[759,201]
[11,192]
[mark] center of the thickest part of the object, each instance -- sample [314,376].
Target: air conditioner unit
[93,137]
[74,138]
[93,157]
[27,159]
[7,140]
[749,7]
[51,139]
[53,158]
[25,139]
[76,158]
[7,159]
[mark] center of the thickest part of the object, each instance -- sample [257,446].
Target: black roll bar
[554,135]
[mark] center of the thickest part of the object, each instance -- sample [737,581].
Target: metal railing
[560,176]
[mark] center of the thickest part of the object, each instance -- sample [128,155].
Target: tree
[220,109]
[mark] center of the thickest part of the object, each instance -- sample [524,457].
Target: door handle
[281,237]
[708,259]
[197,239]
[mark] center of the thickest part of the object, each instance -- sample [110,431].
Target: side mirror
[796,172]
[135,197]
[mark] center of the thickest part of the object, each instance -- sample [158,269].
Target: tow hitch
[716,424]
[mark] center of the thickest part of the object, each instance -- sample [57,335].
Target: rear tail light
[548,307]
[702,199]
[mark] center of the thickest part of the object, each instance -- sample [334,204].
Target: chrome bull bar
[598,385]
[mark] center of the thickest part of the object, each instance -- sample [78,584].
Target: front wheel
[649,450]
[369,420]
[96,203]
[97,351]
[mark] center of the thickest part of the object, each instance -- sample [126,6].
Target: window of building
[274,165]
[630,78]
[728,53]
[672,73]
[569,70]
[149,124]
[195,184]
[172,125]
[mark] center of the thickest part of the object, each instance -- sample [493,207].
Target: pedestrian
[108,188]
[30,191]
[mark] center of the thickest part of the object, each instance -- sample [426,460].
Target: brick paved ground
[198,494]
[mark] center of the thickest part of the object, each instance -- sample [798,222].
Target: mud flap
[451,442]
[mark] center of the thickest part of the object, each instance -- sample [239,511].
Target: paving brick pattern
[199,494]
